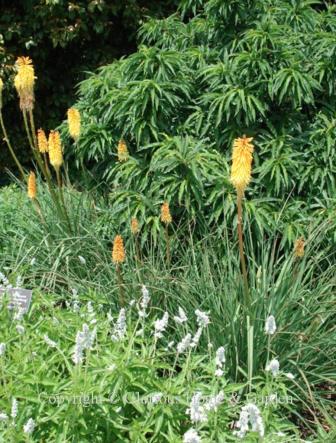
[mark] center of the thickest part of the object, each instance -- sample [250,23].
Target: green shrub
[265,69]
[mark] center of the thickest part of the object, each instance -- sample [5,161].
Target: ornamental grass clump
[118,258]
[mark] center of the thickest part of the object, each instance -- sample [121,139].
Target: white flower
[220,356]
[20,329]
[215,401]
[196,338]
[139,332]
[219,372]
[3,416]
[144,302]
[160,325]
[82,260]
[249,414]
[50,343]
[33,261]
[210,345]
[119,329]
[132,302]
[2,349]
[171,344]
[156,398]
[18,283]
[84,340]
[15,408]
[270,325]
[196,409]
[29,427]
[181,317]
[184,344]
[112,367]
[191,436]
[90,308]
[290,375]
[202,318]
[273,366]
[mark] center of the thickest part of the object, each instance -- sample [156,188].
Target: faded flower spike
[32,189]
[42,141]
[123,154]
[24,83]
[118,252]
[55,149]
[74,123]
[299,247]
[134,226]
[165,213]
[241,163]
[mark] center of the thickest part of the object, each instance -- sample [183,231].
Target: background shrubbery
[266,68]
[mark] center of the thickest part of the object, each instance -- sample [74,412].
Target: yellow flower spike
[123,154]
[74,123]
[299,247]
[241,163]
[32,188]
[42,141]
[55,149]
[134,226]
[24,83]
[165,213]
[118,251]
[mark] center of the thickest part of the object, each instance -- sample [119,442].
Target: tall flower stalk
[118,258]
[240,178]
[166,219]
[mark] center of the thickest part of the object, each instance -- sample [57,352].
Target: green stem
[241,251]
[11,150]
[121,286]
[167,244]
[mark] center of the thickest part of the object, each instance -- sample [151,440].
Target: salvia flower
[196,410]
[299,247]
[74,123]
[144,302]
[202,318]
[220,361]
[118,251]
[15,408]
[241,163]
[134,226]
[49,342]
[273,366]
[24,83]
[249,415]
[196,338]
[191,436]
[3,416]
[32,188]
[181,317]
[184,344]
[214,402]
[123,154]
[20,329]
[165,213]
[29,427]
[161,325]
[55,149]
[119,330]
[2,349]
[270,325]
[42,141]
[84,340]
